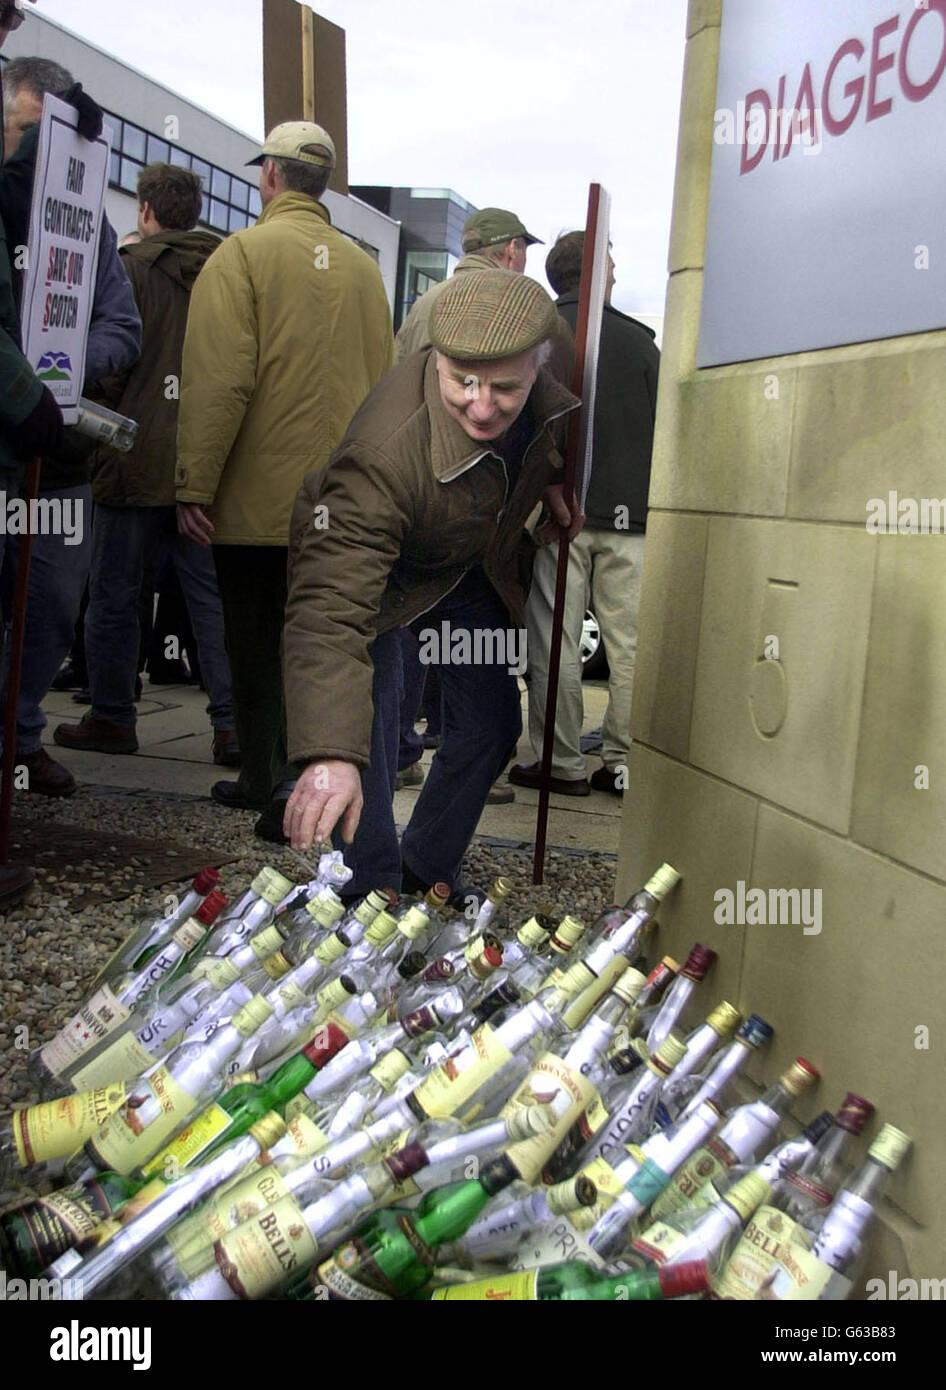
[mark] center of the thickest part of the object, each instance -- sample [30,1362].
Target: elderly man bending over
[419,520]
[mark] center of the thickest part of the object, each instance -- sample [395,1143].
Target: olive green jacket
[288,330]
[406,505]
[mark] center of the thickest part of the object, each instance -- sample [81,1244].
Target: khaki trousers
[604,574]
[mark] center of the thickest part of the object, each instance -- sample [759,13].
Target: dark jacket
[20,388]
[625,405]
[162,269]
[412,503]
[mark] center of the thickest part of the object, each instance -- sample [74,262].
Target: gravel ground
[49,955]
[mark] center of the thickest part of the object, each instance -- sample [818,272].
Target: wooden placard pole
[15,663]
[591,297]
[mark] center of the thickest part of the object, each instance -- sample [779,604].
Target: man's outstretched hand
[561,515]
[326,793]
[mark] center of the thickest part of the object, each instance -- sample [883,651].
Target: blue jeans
[481,727]
[124,542]
[57,578]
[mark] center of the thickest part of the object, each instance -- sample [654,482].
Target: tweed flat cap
[483,315]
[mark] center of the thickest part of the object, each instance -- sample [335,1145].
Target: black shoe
[431,740]
[68,678]
[269,825]
[229,794]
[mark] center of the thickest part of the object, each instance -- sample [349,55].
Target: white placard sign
[828,189]
[65,217]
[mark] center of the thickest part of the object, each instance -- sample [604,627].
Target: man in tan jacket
[289,329]
[429,494]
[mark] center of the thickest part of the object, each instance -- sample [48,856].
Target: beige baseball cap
[302,140]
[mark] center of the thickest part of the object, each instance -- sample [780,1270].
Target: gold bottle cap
[799,1076]
[669,963]
[570,1195]
[724,1019]
[437,896]
[747,1194]
[276,887]
[671,1051]
[268,1129]
[501,889]
[566,934]
[629,984]
[890,1147]
[663,882]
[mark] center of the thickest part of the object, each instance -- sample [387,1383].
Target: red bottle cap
[441,891]
[692,1276]
[211,908]
[698,962]
[854,1113]
[406,1162]
[207,878]
[493,956]
[328,1040]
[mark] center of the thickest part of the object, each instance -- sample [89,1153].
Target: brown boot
[45,775]
[97,736]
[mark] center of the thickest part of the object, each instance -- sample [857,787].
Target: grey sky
[516,105]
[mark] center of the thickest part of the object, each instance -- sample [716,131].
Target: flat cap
[302,140]
[491,227]
[483,315]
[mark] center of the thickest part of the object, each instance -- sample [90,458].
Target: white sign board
[828,190]
[59,284]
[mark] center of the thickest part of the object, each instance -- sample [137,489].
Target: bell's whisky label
[95,1020]
[59,1127]
[690,1186]
[152,1111]
[504,1288]
[261,1253]
[191,1142]
[122,1060]
[455,1081]
[565,1093]
[756,1255]
[192,1238]
[801,1276]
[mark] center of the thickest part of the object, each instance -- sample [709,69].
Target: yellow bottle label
[122,1060]
[329,950]
[389,1069]
[59,1127]
[595,1115]
[218,970]
[252,1016]
[265,942]
[190,934]
[413,923]
[756,1255]
[659,1241]
[191,1142]
[689,1186]
[94,1021]
[576,1013]
[306,1136]
[801,1276]
[342,1285]
[531,934]
[447,1088]
[277,965]
[191,1238]
[565,1094]
[153,1109]
[259,1255]
[508,1288]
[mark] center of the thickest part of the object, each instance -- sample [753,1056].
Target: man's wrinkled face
[24,111]
[485,398]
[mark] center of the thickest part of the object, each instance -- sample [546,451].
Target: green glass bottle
[234,1112]
[576,1280]
[37,1232]
[392,1254]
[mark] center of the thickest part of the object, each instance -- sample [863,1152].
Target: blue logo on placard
[54,366]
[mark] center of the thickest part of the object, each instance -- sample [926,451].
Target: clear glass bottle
[152,932]
[655,1027]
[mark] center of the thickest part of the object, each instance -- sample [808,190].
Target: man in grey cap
[288,330]
[429,493]
[492,239]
